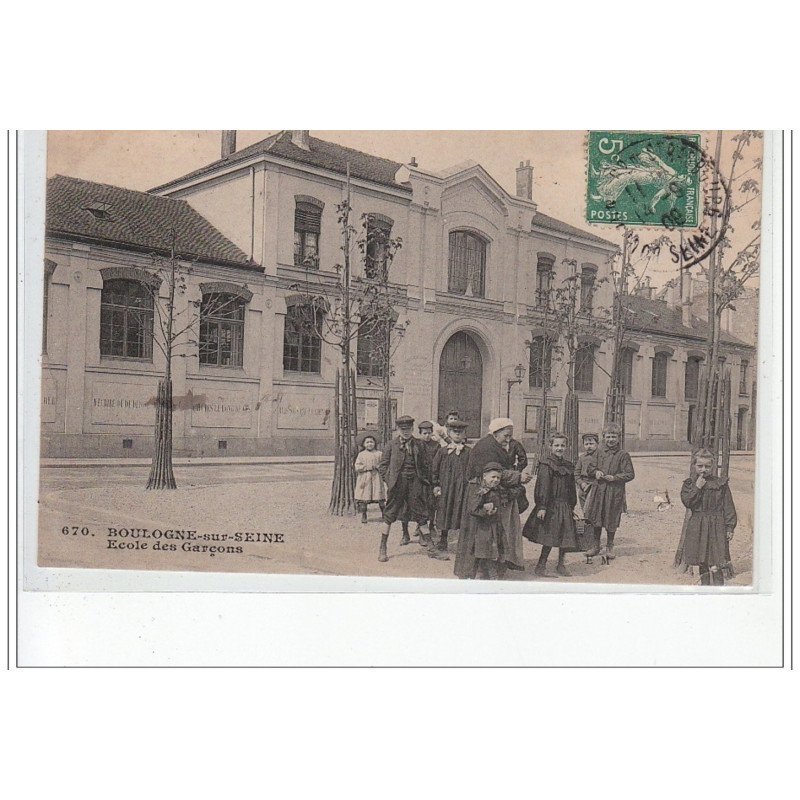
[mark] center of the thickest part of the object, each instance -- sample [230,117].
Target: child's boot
[482,570]
[406,538]
[561,567]
[705,576]
[541,565]
[596,548]
[442,541]
[363,512]
[717,577]
[382,556]
[610,545]
[430,548]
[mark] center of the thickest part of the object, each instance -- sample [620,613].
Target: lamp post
[519,373]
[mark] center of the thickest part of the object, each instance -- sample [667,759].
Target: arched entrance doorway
[461,381]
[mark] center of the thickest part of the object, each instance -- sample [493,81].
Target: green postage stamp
[637,178]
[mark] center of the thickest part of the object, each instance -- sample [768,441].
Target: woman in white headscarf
[493,448]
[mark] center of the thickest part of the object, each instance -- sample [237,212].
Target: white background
[205,733]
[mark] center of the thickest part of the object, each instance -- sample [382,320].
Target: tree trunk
[344,479]
[571,425]
[161,474]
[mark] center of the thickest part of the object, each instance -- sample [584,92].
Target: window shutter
[307,218]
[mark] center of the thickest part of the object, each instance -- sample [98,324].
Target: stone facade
[98,406]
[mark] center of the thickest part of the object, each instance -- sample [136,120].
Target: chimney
[686,300]
[228,143]
[644,289]
[301,139]
[525,180]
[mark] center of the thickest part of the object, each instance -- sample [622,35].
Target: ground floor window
[221,329]
[584,368]
[302,345]
[126,319]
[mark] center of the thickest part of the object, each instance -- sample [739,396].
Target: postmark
[644,179]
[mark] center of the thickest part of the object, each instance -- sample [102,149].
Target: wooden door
[461,381]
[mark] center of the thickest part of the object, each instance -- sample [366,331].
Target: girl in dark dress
[449,478]
[713,520]
[482,530]
[552,523]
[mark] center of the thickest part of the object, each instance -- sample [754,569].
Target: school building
[250,379]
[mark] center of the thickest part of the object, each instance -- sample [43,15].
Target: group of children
[426,481]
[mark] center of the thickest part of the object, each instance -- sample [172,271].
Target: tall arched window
[539,373]
[222,329]
[302,346]
[126,319]
[467,271]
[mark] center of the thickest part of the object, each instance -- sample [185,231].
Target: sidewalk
[254,460]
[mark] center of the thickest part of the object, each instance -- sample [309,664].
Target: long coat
[450,474]
[713,514]
[606,501]
[486,450]
[392,462]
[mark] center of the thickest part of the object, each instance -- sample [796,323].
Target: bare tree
[340,308]
[570,329]
[176,332]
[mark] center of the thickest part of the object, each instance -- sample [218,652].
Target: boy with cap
[403,468]
[449,477]
[430,448]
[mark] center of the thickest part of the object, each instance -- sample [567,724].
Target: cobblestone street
[286,505]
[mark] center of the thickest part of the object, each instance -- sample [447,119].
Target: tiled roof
[657,316]
[543,221]
[135,220]
[326,155]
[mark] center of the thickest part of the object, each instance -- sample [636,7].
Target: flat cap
[425,424]
[457,425]
[492,466]
[405,421]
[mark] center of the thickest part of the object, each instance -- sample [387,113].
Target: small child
[449,477]
[552,523]
[710,527]
[484,527]
[369,486]
[605,504]
[430,448]
[585,468]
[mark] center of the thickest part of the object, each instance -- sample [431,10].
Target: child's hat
[590,436]
[492,466]
[457,425]
[426,425]
[405,422]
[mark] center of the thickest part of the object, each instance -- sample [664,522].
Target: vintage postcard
[514,356]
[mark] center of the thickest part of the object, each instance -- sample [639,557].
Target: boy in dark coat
[449,478]
[404,470]
[430,448]
[604,505]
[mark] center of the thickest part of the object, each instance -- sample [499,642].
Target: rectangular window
[307,227]
[659,381]
[692,379]
[302,346]
[221,330]
[587,288]
[584,368]
[626,371]
[544,284]
[375,256]
[743,376]
[372,350]
[540,363]
[467,264]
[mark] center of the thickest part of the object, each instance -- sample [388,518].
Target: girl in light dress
[369,486]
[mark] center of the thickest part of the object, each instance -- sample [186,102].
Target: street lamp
[519,373]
